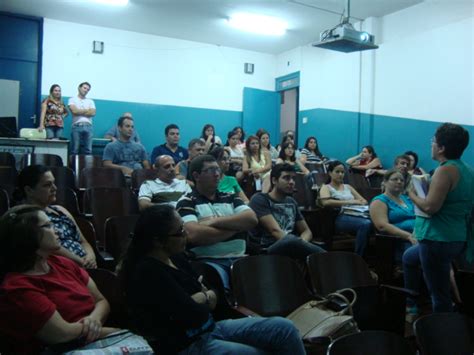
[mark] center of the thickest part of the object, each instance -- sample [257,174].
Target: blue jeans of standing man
[359,225]
[82,135]
[435,260]
[257,335]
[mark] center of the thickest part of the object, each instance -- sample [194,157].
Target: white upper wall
[144,68]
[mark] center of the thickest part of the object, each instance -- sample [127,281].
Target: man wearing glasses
[214,220]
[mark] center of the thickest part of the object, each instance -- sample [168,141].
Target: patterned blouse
[54,113]
[66,230]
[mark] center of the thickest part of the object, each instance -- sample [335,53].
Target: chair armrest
[400,290]
[106,256]
[245,311]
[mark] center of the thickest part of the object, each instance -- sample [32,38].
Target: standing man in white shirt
[83,110]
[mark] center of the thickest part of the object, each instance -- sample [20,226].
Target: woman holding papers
[446,232]
[339,195]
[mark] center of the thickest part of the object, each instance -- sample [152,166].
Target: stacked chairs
[141,175]
[445,334]
[371,342]
[41,159]
[79,162]
[378,307]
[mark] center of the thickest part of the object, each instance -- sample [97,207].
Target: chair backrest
[269,284]
[67,198]
[118,232]
[336,270]
[64,177]
[41,159]
[371,342]
[4,202]
[7,159]
[79,162]
[357,180]
[102,177]
[248,186]
[109,285]
[445,334]
[8,175]
[317,167]
[140,175]
[303,195]
[104,202]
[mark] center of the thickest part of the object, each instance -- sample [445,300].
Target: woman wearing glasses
[447,231]
[170,305]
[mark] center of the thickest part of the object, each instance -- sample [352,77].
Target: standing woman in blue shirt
[445,234]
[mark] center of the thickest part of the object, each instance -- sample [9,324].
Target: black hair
[29,176]
[248,153]
[20,237]
[454,138]
[203,133]
[85,83]
[331,166]
[229,135]
[316,150]
[169,127]
[278,169]
[153,224]
[282,154]
[197,164]
[260,133]
[371,150]
[242,139]
[414,155]
[123,118]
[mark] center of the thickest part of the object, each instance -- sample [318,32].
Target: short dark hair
[20,237]
[29,176]
[278,169]
[123,118]
[414,155]
[331,166]
[401,157]
[169,127]
[85,83]
[282,154]
[316,150]
[197,163]
[218,152]
[454,138]
[241,130]
[195,141]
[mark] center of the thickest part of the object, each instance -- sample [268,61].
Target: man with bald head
[165,188]
[113,133]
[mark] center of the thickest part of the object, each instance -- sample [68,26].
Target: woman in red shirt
[44,299]
[366,159]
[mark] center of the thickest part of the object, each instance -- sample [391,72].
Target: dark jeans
[294,247]
[435,260]
[359,225]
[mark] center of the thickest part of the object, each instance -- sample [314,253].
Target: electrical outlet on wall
[304,120]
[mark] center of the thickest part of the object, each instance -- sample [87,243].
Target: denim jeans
[54,132]
[435,260]
[294,247]
[82,135]
[275,335]
[359,225]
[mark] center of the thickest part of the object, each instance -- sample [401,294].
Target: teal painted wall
[341,134]
[151,120]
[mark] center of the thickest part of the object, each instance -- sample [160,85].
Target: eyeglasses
[211,170]
[179,234]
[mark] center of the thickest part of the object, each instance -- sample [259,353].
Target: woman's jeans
[82,134]
[54,132]
[275,335]
[359,225]
[435,260]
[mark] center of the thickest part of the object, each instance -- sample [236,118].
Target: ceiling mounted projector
[345,38]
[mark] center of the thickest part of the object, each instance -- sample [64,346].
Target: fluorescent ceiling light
[260,24]
[112,2]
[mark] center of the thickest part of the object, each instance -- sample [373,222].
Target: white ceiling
[204,20]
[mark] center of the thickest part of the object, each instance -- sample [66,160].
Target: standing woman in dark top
[171,307]
[53,112]
[36,187]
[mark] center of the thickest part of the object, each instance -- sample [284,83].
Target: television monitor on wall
[8,127]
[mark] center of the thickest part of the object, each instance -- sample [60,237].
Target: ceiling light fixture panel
[259,24]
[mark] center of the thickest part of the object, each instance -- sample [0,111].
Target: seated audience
[171,147]
[114,133]
[310,153]
[264,137]
[401,164]
[214,220]
[414,169]
[365,160]
[236,154]
[282,229]
[208,136]
[195,147]
[241,136]
[165,189]
[169,303]
[36,187]
[257,163]
[337,194]
[287,155]
[45,299]
[289,138]
[124,154]
[393,212]
[227,184]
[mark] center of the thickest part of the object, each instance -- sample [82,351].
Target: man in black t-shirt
[281,228]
